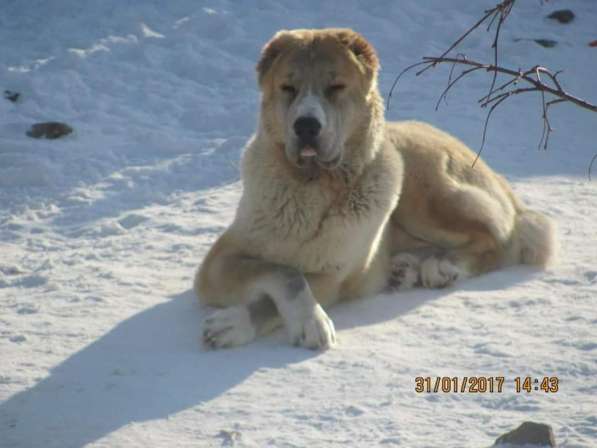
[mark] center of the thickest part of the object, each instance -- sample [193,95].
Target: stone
[49,129]
[11,96]
[547,43]
[529,433]
[562,16]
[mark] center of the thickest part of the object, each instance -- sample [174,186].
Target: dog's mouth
[307,152]
[309,156]
[311,166]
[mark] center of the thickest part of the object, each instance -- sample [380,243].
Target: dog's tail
[534,239]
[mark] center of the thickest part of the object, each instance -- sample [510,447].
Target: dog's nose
[307,128]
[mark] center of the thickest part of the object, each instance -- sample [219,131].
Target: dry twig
[536,79]
[591,166]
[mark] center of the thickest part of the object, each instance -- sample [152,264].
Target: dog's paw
[439,272]
[315,332]
[404,271]
[228,327]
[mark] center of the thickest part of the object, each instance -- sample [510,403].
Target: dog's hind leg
[481,254]
[466,230]
[437,267]
[407,254]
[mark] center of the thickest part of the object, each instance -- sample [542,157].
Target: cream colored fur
[307,234]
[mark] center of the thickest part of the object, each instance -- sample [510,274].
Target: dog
[337,203]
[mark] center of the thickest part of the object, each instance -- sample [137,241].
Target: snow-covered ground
[101,232]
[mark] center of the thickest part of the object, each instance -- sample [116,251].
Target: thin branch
[537,79]
[507,94]
[504,98]
[497,10]
[459,55]
[546,125]
[505,5]
[503,10]
[558,92]
[451,84]
[512,81]
[591,166]
[395,83]
[547,129]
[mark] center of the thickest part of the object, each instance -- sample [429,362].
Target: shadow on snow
[150,366]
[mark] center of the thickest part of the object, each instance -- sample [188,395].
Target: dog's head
[316,87]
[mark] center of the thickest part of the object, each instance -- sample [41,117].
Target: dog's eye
[335,88]
[288,89]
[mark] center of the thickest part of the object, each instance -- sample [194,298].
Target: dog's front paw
[228,327]
[315,332]
[404,271]
[439,272]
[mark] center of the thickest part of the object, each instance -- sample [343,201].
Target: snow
[101,232]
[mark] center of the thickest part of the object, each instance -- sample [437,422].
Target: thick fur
[381,205]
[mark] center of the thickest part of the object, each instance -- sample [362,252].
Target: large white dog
[338,204]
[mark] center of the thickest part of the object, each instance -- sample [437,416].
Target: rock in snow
[49,129]
[547,43]
[562,16]
[528,433]
[11,96]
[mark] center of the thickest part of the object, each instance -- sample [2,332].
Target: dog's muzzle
[307,130]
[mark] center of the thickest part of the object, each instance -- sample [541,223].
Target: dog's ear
[361,48]
[271,51]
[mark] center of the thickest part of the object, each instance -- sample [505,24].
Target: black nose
[307,128]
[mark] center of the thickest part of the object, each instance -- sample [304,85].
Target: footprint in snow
[354,411]
[27,310]
[132,220]
[17,339]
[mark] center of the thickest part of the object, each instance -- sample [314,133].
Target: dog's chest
[320,229]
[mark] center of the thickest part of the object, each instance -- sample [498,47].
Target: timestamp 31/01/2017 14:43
[485,384]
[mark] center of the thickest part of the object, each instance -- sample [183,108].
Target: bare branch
[504,98]
[502,11]
[537,79]
[524,76]
[459,55]
[547,129]
[451,84]
[591,166]
[507,94]
[395,83]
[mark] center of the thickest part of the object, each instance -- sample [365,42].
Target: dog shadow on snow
[150,366]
